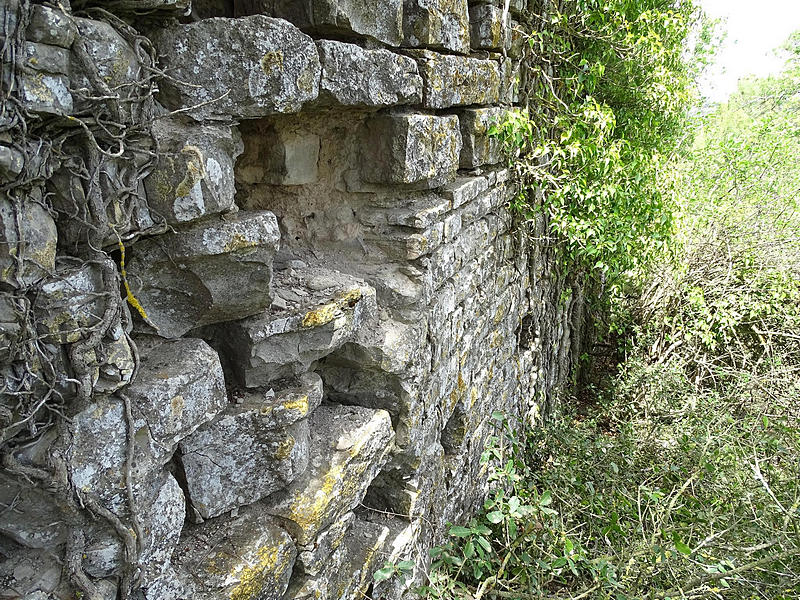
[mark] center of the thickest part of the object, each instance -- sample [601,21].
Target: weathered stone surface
[179,387]
[457,80]
[286,156]
[284,342]
[44,57]
[437,24]
[251,450]
[35,521]
[488,32]
[349,569]
[379,19]
[313,560]
[46,93]
[28,251]
[347,451]
[238,68]
[411,148]
[479,148]
[50,26]
[12,162]
[179,6]
[236,558]
[194,174]
[195,277]
[354,76]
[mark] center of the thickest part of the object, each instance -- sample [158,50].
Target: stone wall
[326,297]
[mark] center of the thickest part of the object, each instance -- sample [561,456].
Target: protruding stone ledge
[437,24]
[237,68]
[354,76]
[195,277]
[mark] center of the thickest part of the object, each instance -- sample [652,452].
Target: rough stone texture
[379,19]
[288,157]
[50,26]
[354,76]
[46,93]
[478,147]
[348,450]
[437,24]
[410,149]
[318,315]
[238,68]
[457,80]
[194,174]
[236,558]
[28,251]
[256,447]
[195,277]
[488,32]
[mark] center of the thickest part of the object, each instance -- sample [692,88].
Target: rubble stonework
[259,293]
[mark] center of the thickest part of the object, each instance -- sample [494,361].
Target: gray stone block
[479,147]
[194,174]
[348,449]
[411,149]
[255,447]
[437,24]
[285,156]
[44,57]
[354,76]
[29,235]
[238,68]
[50,26]
[242,557]
[488,32]
[379,19]
[457,80]
[46,93]
[195,277]
[285,342]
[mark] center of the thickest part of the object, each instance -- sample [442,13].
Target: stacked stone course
[327,297]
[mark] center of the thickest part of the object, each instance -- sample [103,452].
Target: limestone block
[354,76]
[44,57]
[479,148]
[517,7]
[29,235]
[195,277]
[179,387]
[437,24]
[238,68]
[36,521]
[313,559]
[194,174]
[464,189]
[244,455]
[488,32]
[349,569]
[46,93]
[248,556]
[12,162]
[284,342]
[348,449]
[379,19]
[457,80]
[410,149]
[288,157]
[50,26]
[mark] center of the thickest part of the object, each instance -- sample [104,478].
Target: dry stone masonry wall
[259,292]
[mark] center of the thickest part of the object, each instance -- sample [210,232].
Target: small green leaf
[546,499]
[459,531]
[494,517]
[383,574]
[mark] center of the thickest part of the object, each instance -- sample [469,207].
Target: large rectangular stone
[354,76]
[488,30]
[437,24]
[457,80]
[237,68]
[411,148]
[195,277]
[479,148]
[379,19]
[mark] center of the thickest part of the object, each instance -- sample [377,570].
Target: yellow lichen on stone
[271,61]
[328,312]
[300,404]
[195,171]
[254,579]
[239,242]
[284,449]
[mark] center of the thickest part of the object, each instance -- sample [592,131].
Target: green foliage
[608,88]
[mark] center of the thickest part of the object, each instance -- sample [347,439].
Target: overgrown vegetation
[679,477]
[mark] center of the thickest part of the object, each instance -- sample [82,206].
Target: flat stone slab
[437,24]
[195,276]
[457,80]
[353,76]
[239,558]
[320,310]
[411,149]
[194,174]
[237,68]
[254,448]
[349,446]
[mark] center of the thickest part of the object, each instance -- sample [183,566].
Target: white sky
[755,28]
